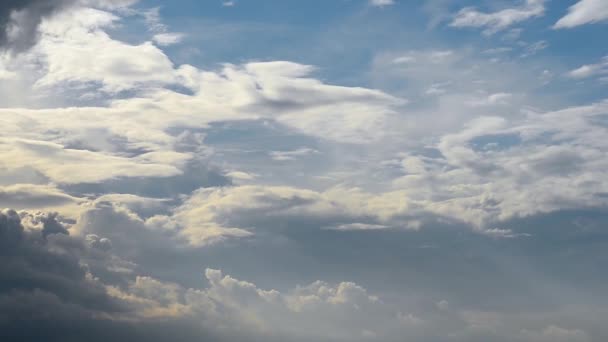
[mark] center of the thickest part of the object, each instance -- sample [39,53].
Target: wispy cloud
[493,22]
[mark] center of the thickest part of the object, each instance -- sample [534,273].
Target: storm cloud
[19,20]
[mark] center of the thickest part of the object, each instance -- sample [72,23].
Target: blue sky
[282,170]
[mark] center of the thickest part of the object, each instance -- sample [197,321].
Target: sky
[284,170]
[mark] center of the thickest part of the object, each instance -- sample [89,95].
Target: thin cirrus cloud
[492,22]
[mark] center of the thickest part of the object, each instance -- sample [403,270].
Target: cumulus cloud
[53,278]
[42,277]
[583,12]
[81,57]
[500,20]
[322,311]
[505,171]
[101,59]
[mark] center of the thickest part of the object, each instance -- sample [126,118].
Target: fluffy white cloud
[77,50]
[497,21]
[495,169]
[584,12]
[129,137]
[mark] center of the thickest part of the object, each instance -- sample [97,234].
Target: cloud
[77,286]
[590,70]
[557,334]
[133,145]
[500,20]
[70,166]
[583,12]
[218,213]
[497,170]
[53,278]
[291,155]
[381,3]
[165,39]
[78,51]
[19,20]
[491,100]
[42,277]
[29,196]
[319,310]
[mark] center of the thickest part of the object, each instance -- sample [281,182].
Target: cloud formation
[499,20]
[381,3]
[583,12]
[591,70]
[19,20]
[158,200]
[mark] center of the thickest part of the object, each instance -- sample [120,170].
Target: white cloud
[511,171]
[381,3]
[210,215]
[500,20]
[71,166]
[129,137]
[292,155]
[358,226]
[31,196]
[584,12]
[168,38]
[77,50]
[590,70]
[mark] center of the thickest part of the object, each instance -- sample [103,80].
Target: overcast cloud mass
[284,171]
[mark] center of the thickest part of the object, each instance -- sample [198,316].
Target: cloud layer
[412,189]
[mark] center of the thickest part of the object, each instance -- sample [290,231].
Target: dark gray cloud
[19,20]
[46,261]
[46,293]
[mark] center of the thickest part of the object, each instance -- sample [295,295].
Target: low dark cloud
[41,275]
[46,294]
[19,20]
